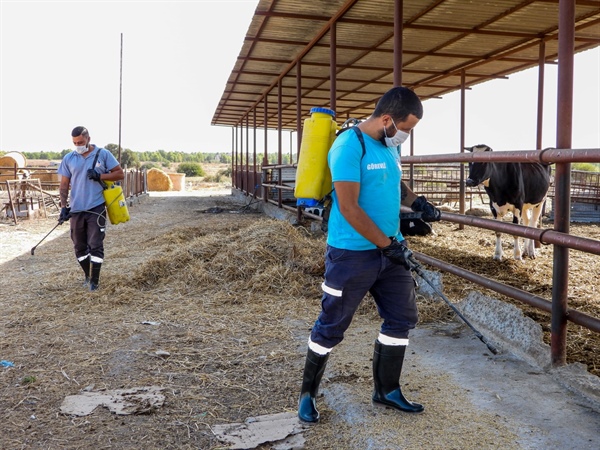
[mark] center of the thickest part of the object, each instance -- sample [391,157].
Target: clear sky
[60,68]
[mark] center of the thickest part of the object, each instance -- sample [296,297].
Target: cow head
[477,170]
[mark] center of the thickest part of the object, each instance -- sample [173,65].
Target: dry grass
[226,288]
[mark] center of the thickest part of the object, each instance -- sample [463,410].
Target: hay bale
[9,160]
[178,180]
[158,180]
[46,176]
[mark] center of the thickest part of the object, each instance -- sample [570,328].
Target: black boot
[387,367]
[85,265]
[95,276]
[313,372]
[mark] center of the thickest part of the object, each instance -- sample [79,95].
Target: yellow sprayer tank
[313,178]
[116,206]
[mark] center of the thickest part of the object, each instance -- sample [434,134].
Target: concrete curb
[514,333]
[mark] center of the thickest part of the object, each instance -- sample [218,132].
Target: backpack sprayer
[313,178]
[116,206]
[416,267]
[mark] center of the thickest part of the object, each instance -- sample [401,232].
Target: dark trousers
[87,233]
[349,275]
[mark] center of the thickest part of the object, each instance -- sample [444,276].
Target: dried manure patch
[215,308]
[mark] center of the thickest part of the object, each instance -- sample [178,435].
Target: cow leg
[536,212]
[517,246]
[498,252]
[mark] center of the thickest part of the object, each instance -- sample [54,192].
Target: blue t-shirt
[378,173]
[85,193]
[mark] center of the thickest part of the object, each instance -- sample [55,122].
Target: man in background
[83,171]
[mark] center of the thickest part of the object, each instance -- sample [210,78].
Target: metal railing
[450,181]
[135,182]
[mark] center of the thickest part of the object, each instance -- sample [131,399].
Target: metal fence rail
[135,182]
[441,179]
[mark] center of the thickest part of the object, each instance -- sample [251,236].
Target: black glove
[414,227]
[398,253]
[93,174]
[65,214]
[430,212]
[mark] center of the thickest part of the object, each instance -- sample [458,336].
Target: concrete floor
[544,413]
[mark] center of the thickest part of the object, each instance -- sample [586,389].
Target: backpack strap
[359,135]
[361,138]
[104,186]
[96,158]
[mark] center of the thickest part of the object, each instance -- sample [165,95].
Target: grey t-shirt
[85,193]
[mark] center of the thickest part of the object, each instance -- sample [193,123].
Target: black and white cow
[519,188]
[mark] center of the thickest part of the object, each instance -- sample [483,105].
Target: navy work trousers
[349,275]
[88,231]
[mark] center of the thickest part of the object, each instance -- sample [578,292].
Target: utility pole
[120,97]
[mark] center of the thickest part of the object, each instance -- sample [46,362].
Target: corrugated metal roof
[441,38]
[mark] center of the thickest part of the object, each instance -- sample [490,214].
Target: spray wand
[60,222]
[416,267]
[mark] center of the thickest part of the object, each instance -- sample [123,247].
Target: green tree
[163,155]
[114,149]
[191,169]
[587,167]
[129,159]
[157,156]
[274,158]
[176,157]
[149,166]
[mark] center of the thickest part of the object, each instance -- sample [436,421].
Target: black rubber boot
[387,367]
[85,265]
[313,372]
[95,276]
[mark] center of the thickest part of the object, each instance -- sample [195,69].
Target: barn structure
[344,54]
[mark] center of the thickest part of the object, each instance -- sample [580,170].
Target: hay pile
[158,180]
[228,291]
[266,259]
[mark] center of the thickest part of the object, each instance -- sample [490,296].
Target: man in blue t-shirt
[366,251]
[83,171]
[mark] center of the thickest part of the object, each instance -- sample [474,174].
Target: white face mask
[397,139]
[81,149]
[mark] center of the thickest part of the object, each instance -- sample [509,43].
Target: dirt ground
[214,302]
